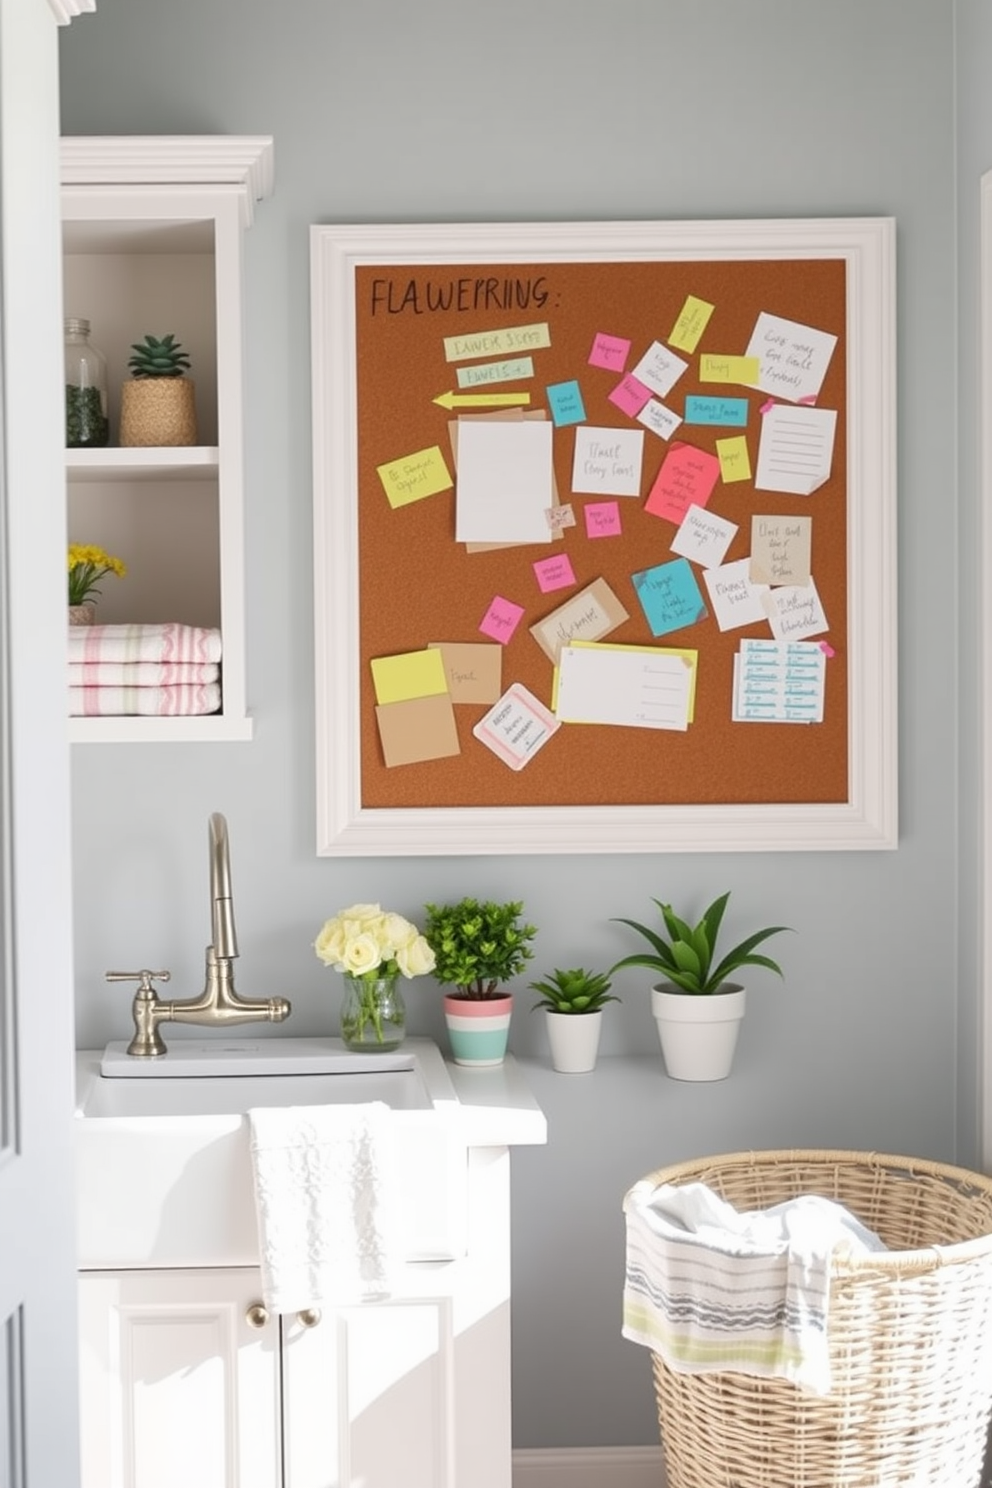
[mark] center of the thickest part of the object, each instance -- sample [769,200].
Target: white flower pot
[574,1040]
[698,1035]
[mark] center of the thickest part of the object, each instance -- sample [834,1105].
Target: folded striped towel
[141,673]
[708,1288]
[166,642]
[149,702]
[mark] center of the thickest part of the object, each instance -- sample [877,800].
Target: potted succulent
[158,404]
[479,946]
[697,1008]
[573,1003]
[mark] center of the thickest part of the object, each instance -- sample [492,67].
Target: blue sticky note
[565,402]
[669,596]
[704,410]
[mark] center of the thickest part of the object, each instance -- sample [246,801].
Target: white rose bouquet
[369,944]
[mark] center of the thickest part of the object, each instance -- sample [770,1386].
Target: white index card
[637,686]
[796,449]
[505,481]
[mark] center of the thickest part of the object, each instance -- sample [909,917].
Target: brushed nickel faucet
[218,1005]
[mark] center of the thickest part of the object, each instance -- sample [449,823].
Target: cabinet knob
[257,1315]
[309,1317]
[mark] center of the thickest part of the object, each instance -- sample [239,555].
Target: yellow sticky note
[692,321]
[415,476]
[716,368]
[735,462]
[411,674]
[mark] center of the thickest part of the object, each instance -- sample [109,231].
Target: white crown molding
[65,11]
[245,161]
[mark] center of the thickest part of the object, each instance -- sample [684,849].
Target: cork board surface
[418,586]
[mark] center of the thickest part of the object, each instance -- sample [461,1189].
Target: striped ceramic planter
[478,1030]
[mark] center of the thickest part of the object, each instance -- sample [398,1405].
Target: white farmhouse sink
[163,1166]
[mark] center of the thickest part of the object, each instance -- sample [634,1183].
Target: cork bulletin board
[604,536]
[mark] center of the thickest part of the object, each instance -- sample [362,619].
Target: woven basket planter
[910,1335]
[158,411]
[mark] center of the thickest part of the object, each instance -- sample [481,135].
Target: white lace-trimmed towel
[709,1288]
[165,642]
[324,1182]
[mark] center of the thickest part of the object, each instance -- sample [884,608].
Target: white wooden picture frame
[868,818]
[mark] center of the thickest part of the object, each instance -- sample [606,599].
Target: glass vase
[373,1016]
[86,422]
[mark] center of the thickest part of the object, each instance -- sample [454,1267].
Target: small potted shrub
[479,946]
[158,404]
[697,1008]
[573,1003]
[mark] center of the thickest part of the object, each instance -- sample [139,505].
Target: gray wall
[389,111]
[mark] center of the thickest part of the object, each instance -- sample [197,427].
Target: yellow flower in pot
[87,566]
[372,948]
[158,405]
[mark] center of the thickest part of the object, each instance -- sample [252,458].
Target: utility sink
[162,1156]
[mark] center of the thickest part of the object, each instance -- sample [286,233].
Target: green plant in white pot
[696,1005]
[479,946]
[573,1003]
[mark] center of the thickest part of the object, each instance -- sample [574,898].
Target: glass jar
[373,1015]
[86,423]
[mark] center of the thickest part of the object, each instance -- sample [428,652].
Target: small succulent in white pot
[573,1003]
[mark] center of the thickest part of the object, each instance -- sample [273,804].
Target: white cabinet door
[176,1386]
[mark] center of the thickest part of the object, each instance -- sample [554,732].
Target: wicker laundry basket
[910,1335]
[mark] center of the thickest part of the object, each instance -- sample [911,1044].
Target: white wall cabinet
[177,1386]
[152,243]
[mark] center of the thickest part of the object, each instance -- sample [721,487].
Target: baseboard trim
[589,1467]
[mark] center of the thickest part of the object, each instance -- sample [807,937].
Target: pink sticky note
[629,396]
[501,619]
[686,478]
[602,519]
[609,351]
[554,573]
[827,649]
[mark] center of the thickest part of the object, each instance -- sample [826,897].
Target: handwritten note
[473,669]
[629,396]
[716,368]
[690,324]
[779,682]
[609,352]
[780,550]
[499,343]
[659,369]
[565,403]
[587,616]
[796,449]
[736,601]
[702,410]
[704,537]
[415,476]
[501,619]
[484,374]
[795,611]
[602,519]
[505,480]
[686,478]
[735,462]
[659,419]
[554,573]
[669,596]
[794,357]
[607,462]
[411,674]
[632,686]
[516,727]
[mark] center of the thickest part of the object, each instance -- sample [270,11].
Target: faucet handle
[144,978]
